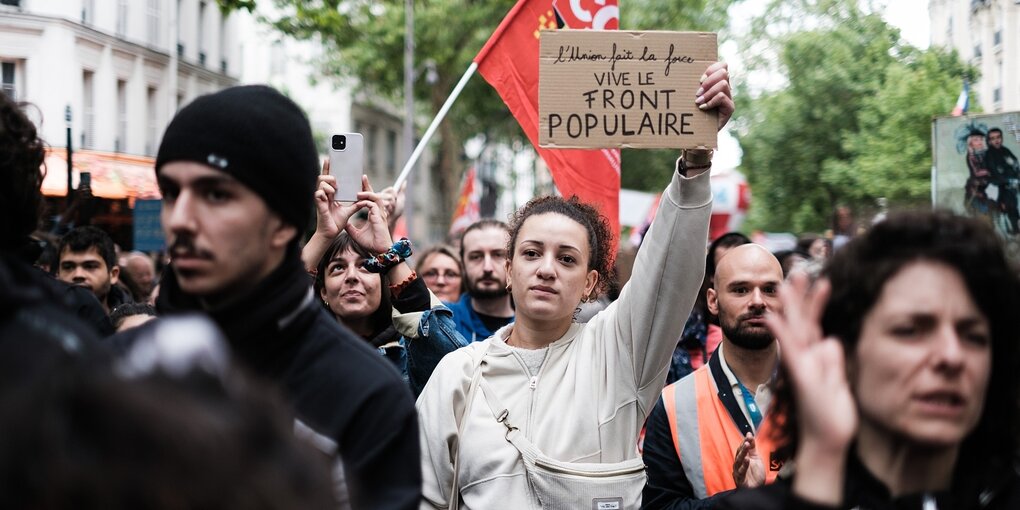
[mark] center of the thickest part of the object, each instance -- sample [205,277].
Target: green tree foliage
[852,124]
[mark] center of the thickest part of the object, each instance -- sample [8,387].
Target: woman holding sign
[546,413]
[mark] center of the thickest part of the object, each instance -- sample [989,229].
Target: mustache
[184,246]
[751,315]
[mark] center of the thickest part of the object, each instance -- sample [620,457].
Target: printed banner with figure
[976,170]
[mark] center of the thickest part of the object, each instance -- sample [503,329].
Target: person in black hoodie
[237,170]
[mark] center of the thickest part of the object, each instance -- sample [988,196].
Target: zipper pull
[534,382]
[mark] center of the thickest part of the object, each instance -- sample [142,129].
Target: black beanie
[258,136]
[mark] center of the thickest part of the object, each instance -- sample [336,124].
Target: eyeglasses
[433,275]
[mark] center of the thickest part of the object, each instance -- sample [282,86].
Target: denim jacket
[427,337]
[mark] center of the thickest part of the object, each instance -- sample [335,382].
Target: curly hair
[22,154]
[600,235]
[858,274]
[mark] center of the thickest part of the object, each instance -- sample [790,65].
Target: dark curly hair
[859,271]
[600,236]
[381,318]
[21,158]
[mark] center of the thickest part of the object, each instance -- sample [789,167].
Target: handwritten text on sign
[624,89]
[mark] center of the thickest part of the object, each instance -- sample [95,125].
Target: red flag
[468,208]
[509,62]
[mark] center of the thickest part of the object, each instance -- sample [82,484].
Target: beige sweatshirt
[596,386]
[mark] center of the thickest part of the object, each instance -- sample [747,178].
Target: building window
[180,101]
[8,79]
[180,43]
[391,152]
[152,21]
[150,121]
[997,95]
[370,149]
[120,144]
[12,3]
[977,51]
[997,38]
[88,9]
[122,14]
[223,44]
[88,101]
[202,8]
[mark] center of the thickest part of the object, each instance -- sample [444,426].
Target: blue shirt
[467,321]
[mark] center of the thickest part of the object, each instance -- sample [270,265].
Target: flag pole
[434,125]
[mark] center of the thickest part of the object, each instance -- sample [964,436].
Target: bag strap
[513,435]
[475,379]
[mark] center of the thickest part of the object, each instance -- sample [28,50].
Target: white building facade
[986,33]
[121,67]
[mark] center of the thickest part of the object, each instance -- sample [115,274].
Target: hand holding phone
[346,164]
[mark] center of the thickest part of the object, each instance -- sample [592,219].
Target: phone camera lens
[339,142]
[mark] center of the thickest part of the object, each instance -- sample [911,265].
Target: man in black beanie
[237,170]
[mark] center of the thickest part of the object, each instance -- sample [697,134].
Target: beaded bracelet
[385,261]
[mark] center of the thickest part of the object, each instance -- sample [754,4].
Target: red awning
[114,176]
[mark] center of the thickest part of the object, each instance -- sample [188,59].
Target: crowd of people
[274,365]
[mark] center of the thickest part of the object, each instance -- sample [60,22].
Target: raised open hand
[816,369]
[815,366]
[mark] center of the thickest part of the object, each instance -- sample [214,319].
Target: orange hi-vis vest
[708,426]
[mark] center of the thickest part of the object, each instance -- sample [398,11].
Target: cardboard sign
[602,89]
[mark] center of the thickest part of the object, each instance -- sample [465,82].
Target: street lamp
[70,152]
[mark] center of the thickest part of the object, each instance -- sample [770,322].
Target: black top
[338,385]
[994,490]
[492,322]
[39,334]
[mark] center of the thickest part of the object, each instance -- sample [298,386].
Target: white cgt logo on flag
[594,14]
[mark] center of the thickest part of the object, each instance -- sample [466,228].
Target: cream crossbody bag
[557,484]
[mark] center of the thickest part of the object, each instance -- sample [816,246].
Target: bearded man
[708,434]
[486,306]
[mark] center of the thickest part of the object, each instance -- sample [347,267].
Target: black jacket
[339,387]
[995,490]
[39,335]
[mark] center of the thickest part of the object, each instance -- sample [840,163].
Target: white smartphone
[346,164]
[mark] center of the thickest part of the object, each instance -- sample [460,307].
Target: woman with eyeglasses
[441,270]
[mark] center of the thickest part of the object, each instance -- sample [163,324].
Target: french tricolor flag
[963,103]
